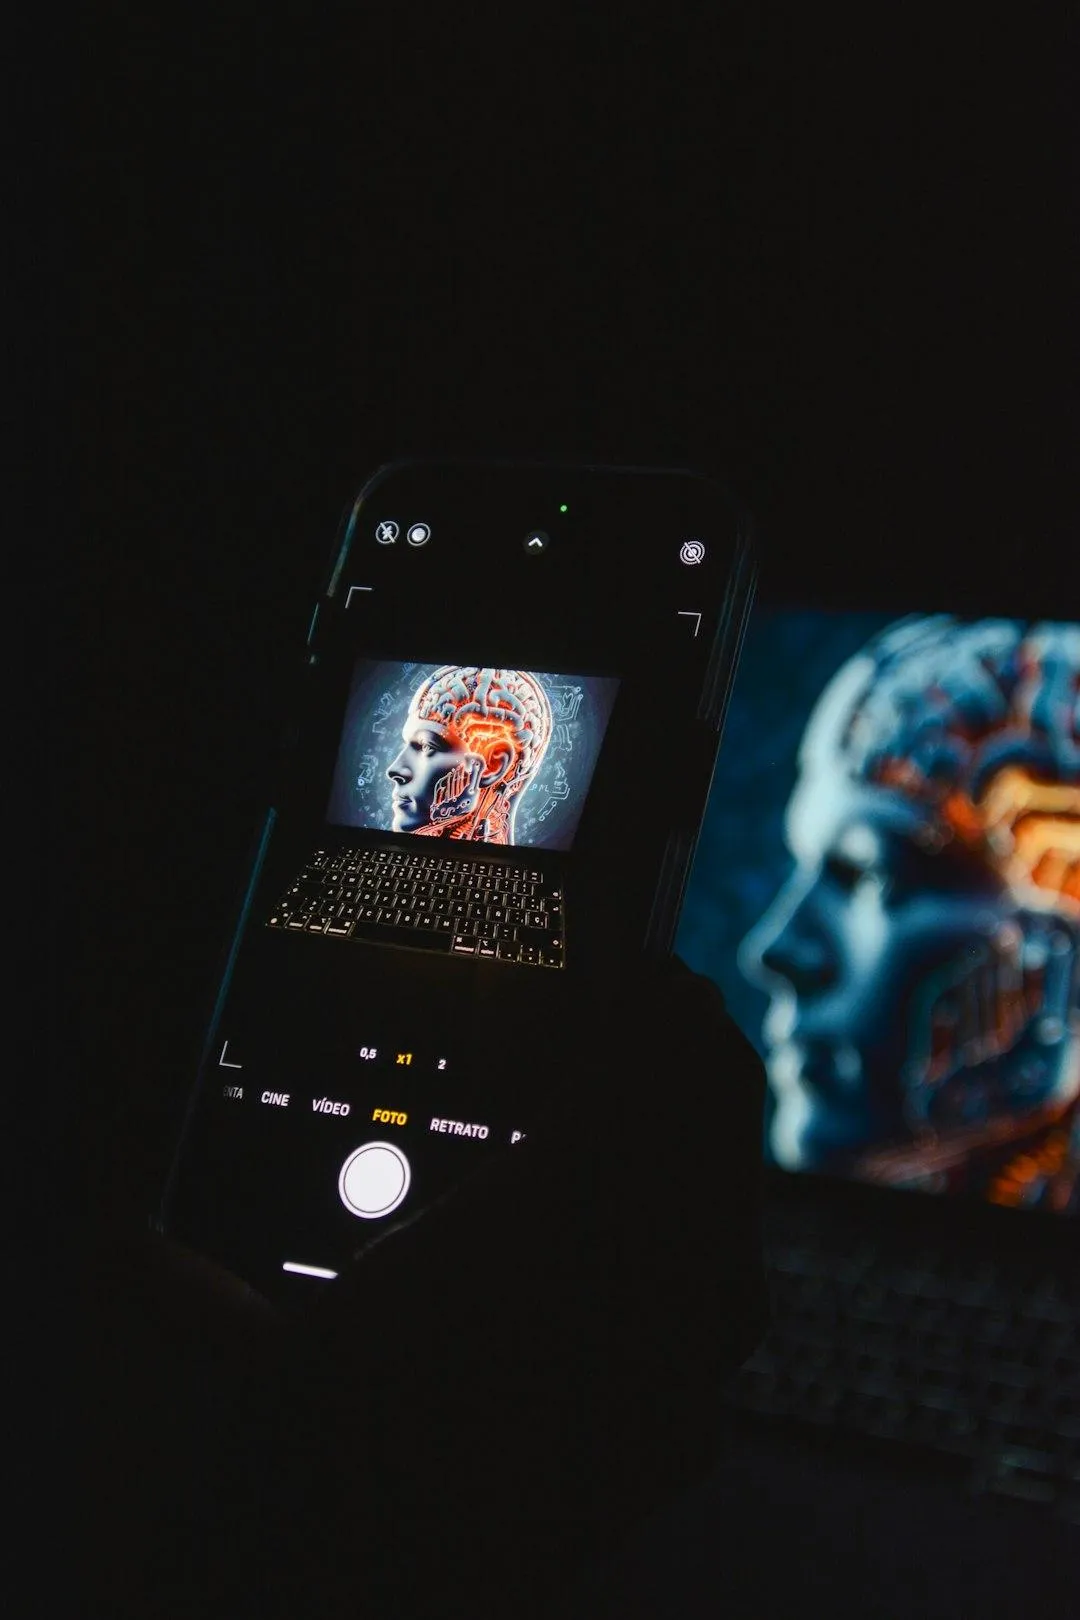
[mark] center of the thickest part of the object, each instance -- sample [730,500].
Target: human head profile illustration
[922,959]
[473,741]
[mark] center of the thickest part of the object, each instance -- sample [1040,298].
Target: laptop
[487,877]
[887,891]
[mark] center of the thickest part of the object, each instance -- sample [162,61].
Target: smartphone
[514,685]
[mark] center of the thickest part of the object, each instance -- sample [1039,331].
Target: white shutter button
[374,1180]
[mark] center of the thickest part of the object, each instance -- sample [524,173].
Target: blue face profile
[426,760]
[922,959]
[473,741]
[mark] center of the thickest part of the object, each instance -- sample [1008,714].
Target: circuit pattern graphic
[982,724]
[500,717]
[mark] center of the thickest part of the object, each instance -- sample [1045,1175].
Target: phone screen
[514,687]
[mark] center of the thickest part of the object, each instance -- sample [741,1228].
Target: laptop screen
[887,891]
[453,751]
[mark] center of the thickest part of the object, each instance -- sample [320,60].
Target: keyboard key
[463,946]
[543,938]
[414,938]
[485,945]
[508,950]
[550,958]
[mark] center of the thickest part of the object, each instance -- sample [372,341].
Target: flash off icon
[691,551]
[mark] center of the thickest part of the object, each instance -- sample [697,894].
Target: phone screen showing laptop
[887,890]
[501,756]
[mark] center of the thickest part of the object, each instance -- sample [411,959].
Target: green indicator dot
[562,508]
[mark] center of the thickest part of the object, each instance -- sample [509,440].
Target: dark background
[827,261]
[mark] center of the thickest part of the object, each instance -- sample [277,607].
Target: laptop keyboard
[428,902]
[977,1361]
